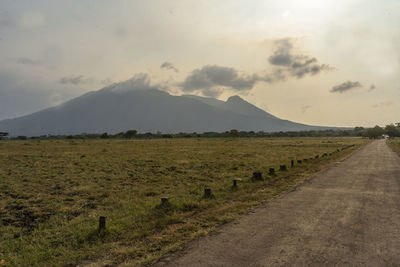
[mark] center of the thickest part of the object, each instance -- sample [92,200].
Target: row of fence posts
[257,176]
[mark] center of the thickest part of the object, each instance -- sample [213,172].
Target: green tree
[234,133]
[374,133]
[130,134]
[392,130]
[3,134]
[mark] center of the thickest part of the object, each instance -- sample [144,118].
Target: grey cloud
[209,79]
[346,86]
[170,66]
[81,79]
[282,55]
[305,108]
[383,104]
[74,80]
[28,61]
[140,81]
[293,64]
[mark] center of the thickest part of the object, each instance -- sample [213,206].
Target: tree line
[392,130]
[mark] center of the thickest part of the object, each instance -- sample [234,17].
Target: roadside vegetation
[52,192]
[395,144]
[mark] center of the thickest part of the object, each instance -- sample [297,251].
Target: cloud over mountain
[211,79]
[295,64]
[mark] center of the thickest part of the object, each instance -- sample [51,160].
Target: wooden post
[292,163]
[271,171]
[102,222]
[207,192]
[257,176]
[234,183]
[164,201]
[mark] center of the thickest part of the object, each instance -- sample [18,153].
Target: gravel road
[348,214]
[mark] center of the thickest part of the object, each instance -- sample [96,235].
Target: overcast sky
[320,62]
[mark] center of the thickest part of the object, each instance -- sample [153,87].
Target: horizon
[329,63]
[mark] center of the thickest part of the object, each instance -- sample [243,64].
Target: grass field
[52,193]
[395,144]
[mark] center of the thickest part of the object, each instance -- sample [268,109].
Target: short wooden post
[292,163]
[102,222]
[164,201]
[317,156]
[282,168]
[257,176]
[271,171]
[234,183]
[207,192]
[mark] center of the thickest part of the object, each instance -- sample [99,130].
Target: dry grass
[395,144]
[52,193]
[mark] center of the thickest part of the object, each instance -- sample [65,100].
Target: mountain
[129,105]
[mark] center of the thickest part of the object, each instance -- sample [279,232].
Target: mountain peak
[136,104]
[235,98]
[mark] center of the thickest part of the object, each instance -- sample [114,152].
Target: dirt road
[346,215]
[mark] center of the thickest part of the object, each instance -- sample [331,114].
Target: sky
[319,62]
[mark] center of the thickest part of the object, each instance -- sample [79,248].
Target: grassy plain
[52,193]
[395,144]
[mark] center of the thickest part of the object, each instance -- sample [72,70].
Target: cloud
[211,79]
[371,88]
[383,104]
[140,81]
[170,66]
[81,80]
[305,108]
[32,19]
[28,61]
[344,87]
[294,64]
[74,80]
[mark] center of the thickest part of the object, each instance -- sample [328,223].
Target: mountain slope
[121,107]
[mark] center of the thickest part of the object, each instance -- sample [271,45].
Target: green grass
[52,193]
[395,144]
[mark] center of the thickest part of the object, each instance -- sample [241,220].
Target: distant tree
[104,136]
[3,134]
[358,131]
[374,133]
[392,130]
[234,133]
[130,134]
